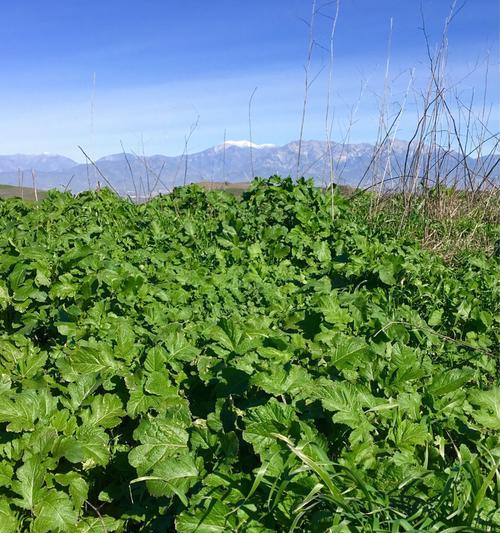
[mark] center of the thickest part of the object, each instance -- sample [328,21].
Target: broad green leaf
[231,336]
[54,512]
[322,251]
[386,272]
[30,477]
[343,397]
[156,359]
[277,380]
[125,339]
[139,403]
[159,384]
[6,473]
[489,408]
[89,359]
[261,422]
[78,487]
[348,352]
[274,354]
[42,278]
[177,346]
[31,363]
[448,381]
[68,329]
[82,389]
[409,363]
[174,475]
[217,518]
[105,410]
[4,295]
[160,439]
[8,518]
[436,317]
[408,434]
[102,524]
[333,312]
[89,446]
[254,250]
[22,411]
[5,383]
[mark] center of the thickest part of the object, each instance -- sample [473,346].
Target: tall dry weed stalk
[307,82]
[447,173]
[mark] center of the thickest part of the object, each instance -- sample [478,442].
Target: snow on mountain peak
[244,144]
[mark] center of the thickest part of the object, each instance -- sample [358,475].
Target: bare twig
[328,123]
[130,170]
[33,177]
[66,187]
[98,170]
[224,159]
[192,129]
[92,110]
[306,82]
[250,130]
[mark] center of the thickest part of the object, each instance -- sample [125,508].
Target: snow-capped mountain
[233,161]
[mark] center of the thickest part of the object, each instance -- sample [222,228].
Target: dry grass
[461,222]
[449,222]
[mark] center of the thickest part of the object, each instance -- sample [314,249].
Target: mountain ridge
[233,162]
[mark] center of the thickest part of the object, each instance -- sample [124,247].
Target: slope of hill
[26,193]
[41,162]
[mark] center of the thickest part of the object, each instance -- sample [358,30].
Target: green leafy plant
[204,363]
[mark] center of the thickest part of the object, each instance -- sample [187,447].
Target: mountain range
[233,161]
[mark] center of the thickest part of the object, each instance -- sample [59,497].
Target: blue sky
[161,64]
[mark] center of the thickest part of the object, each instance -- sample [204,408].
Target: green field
[273,361]
[232,188]
[27,193]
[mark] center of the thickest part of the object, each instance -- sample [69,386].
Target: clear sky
[161,64]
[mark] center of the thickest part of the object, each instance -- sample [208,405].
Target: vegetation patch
[208,363]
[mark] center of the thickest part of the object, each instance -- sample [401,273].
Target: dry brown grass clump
[449,222]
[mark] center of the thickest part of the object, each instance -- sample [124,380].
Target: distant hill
[27,193]
[232,162]
[41,163]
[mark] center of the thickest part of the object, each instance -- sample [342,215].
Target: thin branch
[98,170]
[130,170]
[250,130]
[33,177]
[192,129]
[328,124]
[306,83]
[224,159]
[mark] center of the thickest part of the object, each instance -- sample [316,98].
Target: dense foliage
[202,363]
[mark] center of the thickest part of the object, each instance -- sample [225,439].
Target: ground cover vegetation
[210,363]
